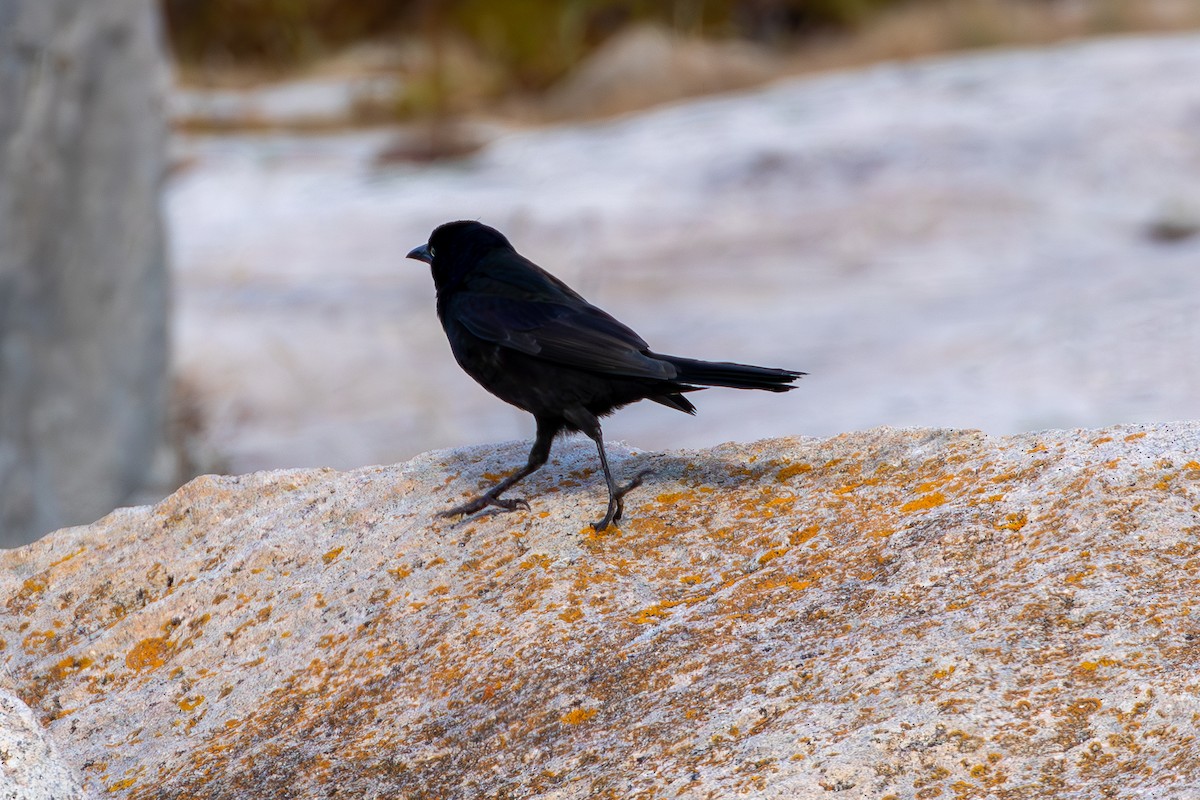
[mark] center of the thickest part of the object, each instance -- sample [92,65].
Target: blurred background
[952,213]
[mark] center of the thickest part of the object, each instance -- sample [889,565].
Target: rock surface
[30,765]
[83,279]
[646,65]
[893,613]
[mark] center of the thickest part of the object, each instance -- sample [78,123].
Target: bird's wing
[575,334]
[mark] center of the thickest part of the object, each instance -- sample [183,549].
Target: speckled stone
[892,613]
[30,766]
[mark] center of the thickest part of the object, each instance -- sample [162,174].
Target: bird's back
[532,340]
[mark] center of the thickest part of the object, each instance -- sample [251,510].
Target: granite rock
[893,613]
[30,765]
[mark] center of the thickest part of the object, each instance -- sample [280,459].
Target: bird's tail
[735,376]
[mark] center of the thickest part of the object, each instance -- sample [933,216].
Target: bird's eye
[430,249]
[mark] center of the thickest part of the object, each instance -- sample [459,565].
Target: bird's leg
[616,494]
[540,451]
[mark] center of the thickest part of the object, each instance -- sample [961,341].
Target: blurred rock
[30,765]
[83,283]
[385,82]
[314,103]
[1176,220]
[437,140]
[870,613]
[644,66]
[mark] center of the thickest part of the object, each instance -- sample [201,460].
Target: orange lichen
[25,601]
[795,584]
[655,613]
[791,471]
[931,500]
[929,486]
[571,615]
[772,554]
[1084,706]
[39,642]
[190,703]
[537,560]
[122,785]
[1013,522]
[68,557]
[1077,578]
[332,555]
[149,653]
[803,535]
[578,716]
[69,666]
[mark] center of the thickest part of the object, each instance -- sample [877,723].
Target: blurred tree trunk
[83,278]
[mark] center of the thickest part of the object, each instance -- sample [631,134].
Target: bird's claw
[485,500]
[615,508]
[636,482]
[512,504]
[616,504]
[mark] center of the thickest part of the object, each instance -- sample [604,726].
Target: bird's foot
[636,482]
[616,503]
[485,500]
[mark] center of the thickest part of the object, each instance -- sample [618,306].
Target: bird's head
[455,247]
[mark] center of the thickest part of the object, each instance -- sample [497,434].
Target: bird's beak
[421,254]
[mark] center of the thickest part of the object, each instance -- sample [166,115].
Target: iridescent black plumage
[532,341]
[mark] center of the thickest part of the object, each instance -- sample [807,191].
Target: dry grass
[457,79]
[928,28]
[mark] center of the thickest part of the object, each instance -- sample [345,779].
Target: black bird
[532,341]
